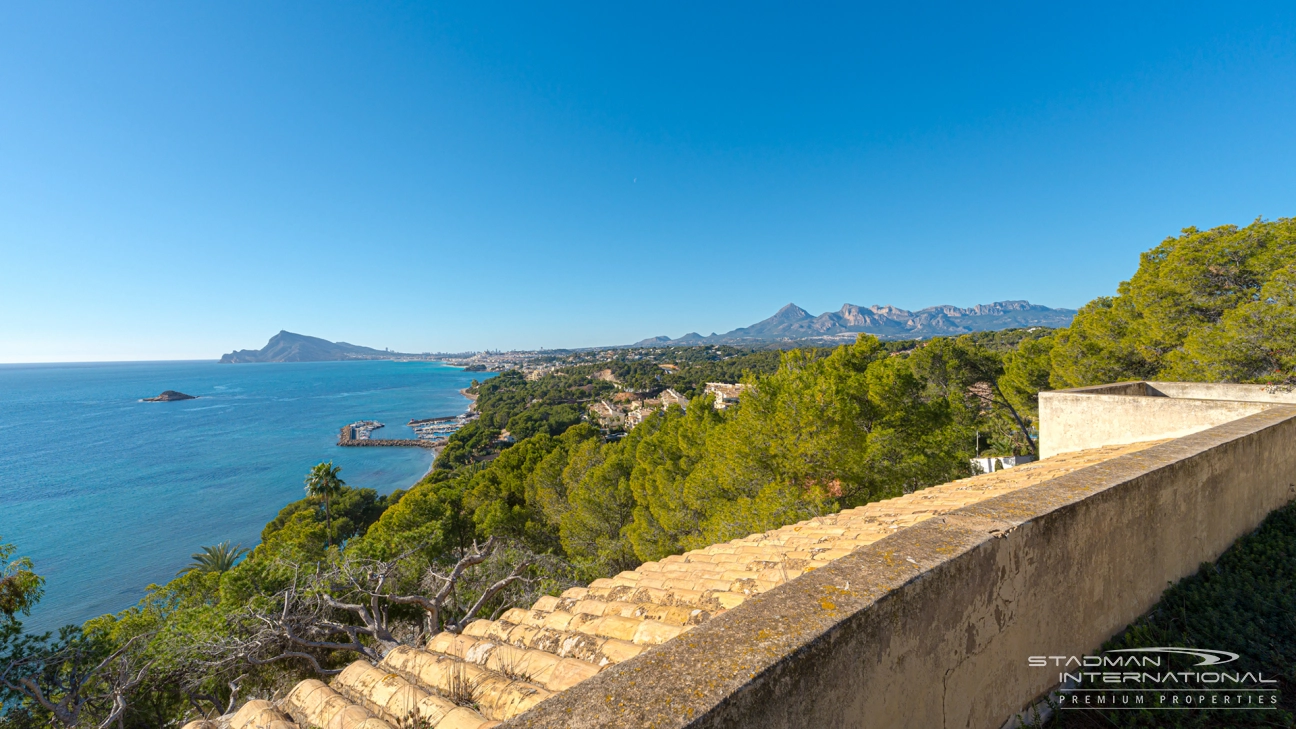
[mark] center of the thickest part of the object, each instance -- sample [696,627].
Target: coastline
[347,435]
[428,472]
[471,397]
[240,450]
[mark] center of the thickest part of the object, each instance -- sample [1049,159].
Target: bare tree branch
[490,592]
[297,654]
[56,677]
[362,606]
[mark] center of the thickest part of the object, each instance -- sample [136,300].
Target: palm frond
[324,481]
[219,558]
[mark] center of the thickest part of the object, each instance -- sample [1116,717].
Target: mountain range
[792,323]
[289,347]
[789,324]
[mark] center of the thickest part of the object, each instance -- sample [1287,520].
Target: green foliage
[219,558]
[824,432]
[303,537]
[323,481]
[72,677]
[167,623]
[1026,372]
[20,717]
[797,441]
[1255,342]
[505,496]
[1206,305]
[972,378]
[1244,603]
[1004,341]
[636,375]
[20,587]
[717,364]
[670,449]
[496,494]
[508,394]
[61,667]
[1101,345]
[352,510]
[547,419]
[826,429]
[431,516]
[601,506]
[466,445]
[545,489]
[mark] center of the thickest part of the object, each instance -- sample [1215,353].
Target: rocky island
[170,396]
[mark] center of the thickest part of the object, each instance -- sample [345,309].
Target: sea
[107,494]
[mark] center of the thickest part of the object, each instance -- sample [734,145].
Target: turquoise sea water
[108,494]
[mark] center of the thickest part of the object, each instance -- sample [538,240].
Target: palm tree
[323,481]
[218,559]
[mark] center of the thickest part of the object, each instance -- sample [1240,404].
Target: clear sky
[180,179]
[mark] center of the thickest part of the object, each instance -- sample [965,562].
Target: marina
[361,429]
[431,433]
[441,428]
[347,438]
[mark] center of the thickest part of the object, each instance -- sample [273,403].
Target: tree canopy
[1213,305]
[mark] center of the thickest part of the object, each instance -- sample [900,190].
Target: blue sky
[178,180]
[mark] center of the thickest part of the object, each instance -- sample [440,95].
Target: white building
[635,417]
[725,393]
[670,397]
[990,464]
[610,418]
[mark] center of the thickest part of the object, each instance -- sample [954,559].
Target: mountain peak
[792,312]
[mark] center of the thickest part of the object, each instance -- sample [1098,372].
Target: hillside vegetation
[497,523]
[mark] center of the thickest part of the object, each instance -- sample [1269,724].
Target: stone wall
[932,626]
[1089,417]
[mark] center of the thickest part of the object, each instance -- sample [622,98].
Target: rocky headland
[289,347]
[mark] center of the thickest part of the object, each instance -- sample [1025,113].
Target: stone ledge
[931,626]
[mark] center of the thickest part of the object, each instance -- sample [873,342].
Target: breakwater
[427,421]
[347,437]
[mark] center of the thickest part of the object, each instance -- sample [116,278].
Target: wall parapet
[932,626]
[1130,412]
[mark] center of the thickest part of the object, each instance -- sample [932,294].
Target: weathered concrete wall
[1223,391]
[932,626]
[1089,417]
